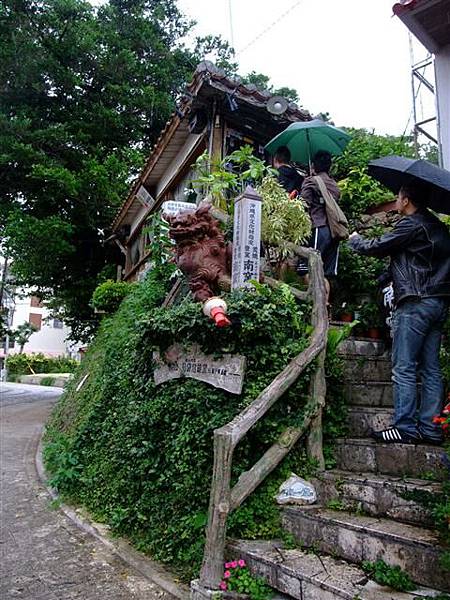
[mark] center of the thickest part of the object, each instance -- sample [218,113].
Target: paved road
[43,554]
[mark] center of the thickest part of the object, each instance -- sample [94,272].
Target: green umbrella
[306,138]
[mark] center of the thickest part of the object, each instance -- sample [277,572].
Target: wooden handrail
[223,498]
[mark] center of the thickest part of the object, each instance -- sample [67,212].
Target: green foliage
[215,181]
[370,315]
[393,577]
[284,221]
[38,247]
[336,336]
[22,333]
[47,381]
[239,579]
[108,295]
[357,275]
[86,91]
[358,189]
[262,82]
[336,504]
[139,456]
[222,179]
[28,364]
[444,560]
[161,246]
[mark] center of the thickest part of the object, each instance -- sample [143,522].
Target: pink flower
[228,565]
[226,575]
[234,564]
[223,585]
[241,562]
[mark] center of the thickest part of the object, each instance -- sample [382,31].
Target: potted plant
[346,313]
[371,319]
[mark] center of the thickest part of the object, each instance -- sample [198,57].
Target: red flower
[439,420]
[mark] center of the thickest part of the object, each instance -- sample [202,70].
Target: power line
[271,26]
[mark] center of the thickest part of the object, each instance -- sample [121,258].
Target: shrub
[393,577]
[139,456]
[27,364]
[109,294]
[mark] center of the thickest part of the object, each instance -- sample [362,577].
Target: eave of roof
[216,79]
[428,20]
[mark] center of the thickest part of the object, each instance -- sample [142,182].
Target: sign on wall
[226,372]
[172,207]
[146,198]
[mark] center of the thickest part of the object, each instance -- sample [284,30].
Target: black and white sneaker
[430,441]
[392,435]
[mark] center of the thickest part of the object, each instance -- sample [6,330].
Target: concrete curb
[144,565]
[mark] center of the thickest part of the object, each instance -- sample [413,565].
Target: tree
[262,82]
[22,334]
[358,189]
[84,94]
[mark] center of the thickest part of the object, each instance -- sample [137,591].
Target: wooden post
[219,507]
[318,387]
[318,392]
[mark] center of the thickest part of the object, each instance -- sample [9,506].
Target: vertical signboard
[246,239]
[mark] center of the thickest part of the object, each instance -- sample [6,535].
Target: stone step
[307,576]
[376,496]
[356,347]
[367,368]
[361,420]
[359,538]
[361,455]
[372,393]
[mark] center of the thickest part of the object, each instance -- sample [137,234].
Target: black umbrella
[434,182]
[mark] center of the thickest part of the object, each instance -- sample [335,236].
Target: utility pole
[3,281]
[4,340]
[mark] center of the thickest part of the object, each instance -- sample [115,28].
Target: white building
[51,335]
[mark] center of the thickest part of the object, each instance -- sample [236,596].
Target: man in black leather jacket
[419,247]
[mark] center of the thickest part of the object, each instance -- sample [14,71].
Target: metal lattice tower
[423,92]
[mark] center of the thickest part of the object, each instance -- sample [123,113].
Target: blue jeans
[417,331]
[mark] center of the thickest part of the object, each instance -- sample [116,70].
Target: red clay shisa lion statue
[204,257]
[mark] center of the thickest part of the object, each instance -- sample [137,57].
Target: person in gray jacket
[419,248]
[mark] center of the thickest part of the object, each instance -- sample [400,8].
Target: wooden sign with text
[226,372]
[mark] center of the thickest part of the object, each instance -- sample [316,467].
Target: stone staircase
[366,509]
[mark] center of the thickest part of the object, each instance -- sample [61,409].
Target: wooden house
[216,113]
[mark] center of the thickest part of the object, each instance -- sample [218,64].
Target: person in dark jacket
[419,248]
[288,177]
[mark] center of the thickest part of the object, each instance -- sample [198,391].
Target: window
[36,320]
[57,324]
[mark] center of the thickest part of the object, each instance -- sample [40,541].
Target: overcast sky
[348,57]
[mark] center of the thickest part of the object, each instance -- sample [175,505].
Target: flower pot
[374,333]
[346,317]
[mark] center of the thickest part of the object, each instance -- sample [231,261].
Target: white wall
[442,70]
[49,340]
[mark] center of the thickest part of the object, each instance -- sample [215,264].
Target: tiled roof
[207,74]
